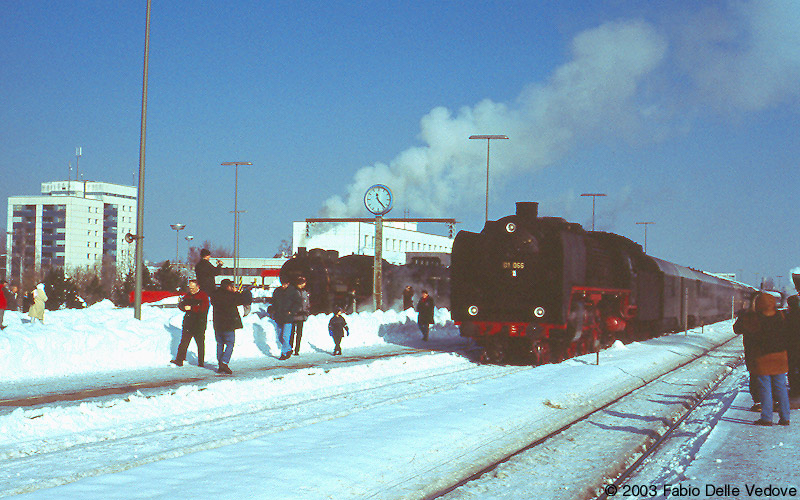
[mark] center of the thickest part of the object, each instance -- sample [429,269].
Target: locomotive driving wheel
[494,351]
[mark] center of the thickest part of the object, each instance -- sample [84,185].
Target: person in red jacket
[3,302]
[195,305]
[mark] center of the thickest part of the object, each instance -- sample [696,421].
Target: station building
[71,224]
[401,240]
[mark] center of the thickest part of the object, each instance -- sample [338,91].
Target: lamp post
[488,141]
[139,261]
[594,197]
[177,228]
[236,216]
[645,224]
[188,239]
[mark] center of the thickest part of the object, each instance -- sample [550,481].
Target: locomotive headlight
[511,227]
[539,312]
[472,310]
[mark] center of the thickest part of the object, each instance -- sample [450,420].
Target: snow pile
[103,338]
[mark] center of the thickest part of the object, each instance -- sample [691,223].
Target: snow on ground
[388,428]
[719,453]
[103,338]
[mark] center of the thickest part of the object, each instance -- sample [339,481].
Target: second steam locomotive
[541,289]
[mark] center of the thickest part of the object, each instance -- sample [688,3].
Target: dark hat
[225,283]
[204,252]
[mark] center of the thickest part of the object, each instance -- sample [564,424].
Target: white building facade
[72,224]
[358,238]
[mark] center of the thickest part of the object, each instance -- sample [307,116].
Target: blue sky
[684,113]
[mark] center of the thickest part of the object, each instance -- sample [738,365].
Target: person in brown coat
[764,338]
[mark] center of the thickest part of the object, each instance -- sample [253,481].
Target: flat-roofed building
[358,238]
[71,224]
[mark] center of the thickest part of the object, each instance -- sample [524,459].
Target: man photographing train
[206,272]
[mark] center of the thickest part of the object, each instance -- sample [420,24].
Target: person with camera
[207,272]
[195,305]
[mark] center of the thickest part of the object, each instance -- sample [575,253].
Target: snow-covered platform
[398,427]
[719,453]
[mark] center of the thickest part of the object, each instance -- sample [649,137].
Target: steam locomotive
[346,281]
[540,289]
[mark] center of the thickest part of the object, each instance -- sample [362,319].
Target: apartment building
[71,224]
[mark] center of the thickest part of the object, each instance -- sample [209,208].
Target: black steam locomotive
[347,281]
[541,289]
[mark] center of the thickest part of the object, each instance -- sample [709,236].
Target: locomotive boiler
[537,289]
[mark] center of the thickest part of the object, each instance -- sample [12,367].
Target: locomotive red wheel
[572,349]
[583,346]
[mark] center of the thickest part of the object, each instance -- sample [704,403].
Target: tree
[61,291]
[94,287]
[167,277]
[284,249]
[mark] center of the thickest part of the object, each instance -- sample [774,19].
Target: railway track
[607,444]
[170,382]
[611,489]
[279,409]
[43,463]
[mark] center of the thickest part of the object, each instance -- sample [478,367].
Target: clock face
[378,199]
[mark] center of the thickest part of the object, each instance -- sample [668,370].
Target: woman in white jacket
[37,309]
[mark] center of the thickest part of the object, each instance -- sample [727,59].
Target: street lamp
[594,197]
[188,239]
[645,224]
[236,215]
[177,228]
[139,260]
[488,140]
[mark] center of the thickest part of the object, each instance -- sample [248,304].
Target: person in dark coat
[206,272]
[225,300]
[408,298]
[337,327]
[425,308]
[793,347]
[286,303]
[195,305]
[764,338]
[301,316]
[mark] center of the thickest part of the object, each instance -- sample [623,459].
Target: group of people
[9,301]
[290,309]
[771,340]
[225,298]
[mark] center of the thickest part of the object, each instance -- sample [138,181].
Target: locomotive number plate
[513,265]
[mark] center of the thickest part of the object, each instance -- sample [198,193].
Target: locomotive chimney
[528,210]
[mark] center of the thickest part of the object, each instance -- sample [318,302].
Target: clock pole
[377,270]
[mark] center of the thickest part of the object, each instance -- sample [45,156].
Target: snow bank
[104,338]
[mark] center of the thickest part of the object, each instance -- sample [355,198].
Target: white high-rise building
[72,224]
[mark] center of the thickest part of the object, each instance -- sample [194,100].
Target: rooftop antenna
[77,163]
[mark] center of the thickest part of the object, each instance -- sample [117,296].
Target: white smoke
[743,56]
[621,84]
[593,94]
